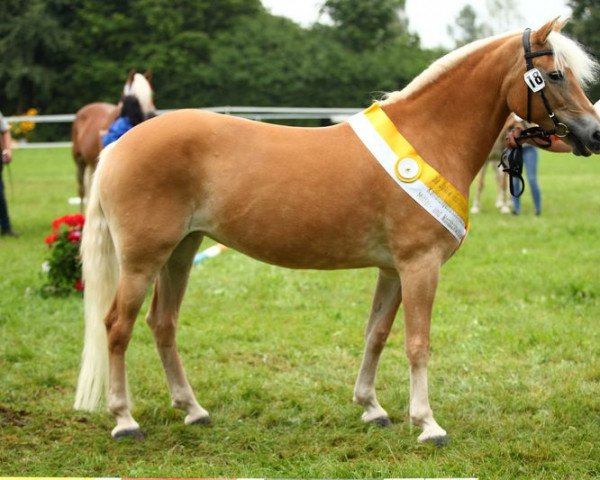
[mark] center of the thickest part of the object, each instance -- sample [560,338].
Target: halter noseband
[512,161]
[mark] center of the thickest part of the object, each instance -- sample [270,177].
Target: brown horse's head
[562,69]
[139,86]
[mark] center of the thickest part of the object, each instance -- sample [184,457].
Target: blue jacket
[116,130]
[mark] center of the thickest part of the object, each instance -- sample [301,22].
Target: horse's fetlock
[117,406]
[421,416]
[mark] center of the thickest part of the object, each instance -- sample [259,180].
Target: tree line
[58,55]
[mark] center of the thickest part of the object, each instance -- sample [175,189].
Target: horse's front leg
[419,284]
[386,301]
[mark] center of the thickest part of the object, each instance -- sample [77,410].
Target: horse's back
[85,133]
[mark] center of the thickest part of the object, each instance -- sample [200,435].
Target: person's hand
[6,155]
[511,135]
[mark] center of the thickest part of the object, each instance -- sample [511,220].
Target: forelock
[568,53]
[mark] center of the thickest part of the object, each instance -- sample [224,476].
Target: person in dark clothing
[5,145]
[131,114]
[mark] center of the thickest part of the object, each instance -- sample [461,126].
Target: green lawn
[273,354]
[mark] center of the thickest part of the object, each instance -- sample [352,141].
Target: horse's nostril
[596,135]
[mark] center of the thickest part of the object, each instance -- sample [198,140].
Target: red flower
[50,239]
[75,221]
[79,286]
[57,222]
[72,221]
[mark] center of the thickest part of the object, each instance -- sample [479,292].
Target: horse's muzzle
[584,137]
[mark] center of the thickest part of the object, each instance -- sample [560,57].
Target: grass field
[273,354]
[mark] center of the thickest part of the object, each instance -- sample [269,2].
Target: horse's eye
[557,76]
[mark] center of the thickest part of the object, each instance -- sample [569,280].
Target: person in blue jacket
[131,114]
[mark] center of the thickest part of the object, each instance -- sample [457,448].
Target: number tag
[534,80]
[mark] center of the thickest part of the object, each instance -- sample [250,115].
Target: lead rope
[512,159]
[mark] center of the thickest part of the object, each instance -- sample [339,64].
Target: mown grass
[273,354]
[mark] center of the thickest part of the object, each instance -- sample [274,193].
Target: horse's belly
[300,235]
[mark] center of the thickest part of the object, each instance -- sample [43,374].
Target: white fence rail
[254,113]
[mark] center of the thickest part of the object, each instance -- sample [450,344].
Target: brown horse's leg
[388,294]
[80,164]
[162,319]
[419,283]
[119,325]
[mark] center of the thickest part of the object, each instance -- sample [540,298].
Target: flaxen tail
[100,275]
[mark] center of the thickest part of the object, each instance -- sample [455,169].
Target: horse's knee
[377,338]
[417,351]
[163,327]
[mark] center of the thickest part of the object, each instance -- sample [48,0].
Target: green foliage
[584,28]
[366,25]
[273,353]
[34,52]
[63,267]
[467,28]
[60,55]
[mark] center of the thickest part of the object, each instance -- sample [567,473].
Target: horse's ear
[130,76]
[148,75]
[541,34]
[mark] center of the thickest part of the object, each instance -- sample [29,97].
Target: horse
[317,198]
[93,118]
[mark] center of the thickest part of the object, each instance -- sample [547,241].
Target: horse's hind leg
[119,324]
[80,164]
[386,301]
[162,319]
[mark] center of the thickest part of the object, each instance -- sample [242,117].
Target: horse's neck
[454,121]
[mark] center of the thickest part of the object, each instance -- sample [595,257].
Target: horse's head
[555,71]
[139,86]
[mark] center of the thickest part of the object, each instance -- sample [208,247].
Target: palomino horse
[94,117]
[310,198]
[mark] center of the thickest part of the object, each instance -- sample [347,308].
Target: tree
[60,54]
[366,24]
[34,49]
[504,15]
[467,29]
[584,28]
[171,37]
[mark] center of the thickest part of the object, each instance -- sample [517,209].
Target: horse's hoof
[133,433]
[440,441]
[382,422]
[201,421]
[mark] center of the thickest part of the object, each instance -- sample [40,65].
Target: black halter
[512,160]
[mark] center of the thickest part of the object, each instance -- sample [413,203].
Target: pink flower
[74,236]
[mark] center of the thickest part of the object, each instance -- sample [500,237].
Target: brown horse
[308,198]
[91,119]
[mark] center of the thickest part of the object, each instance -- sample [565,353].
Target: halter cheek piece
[512,160]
